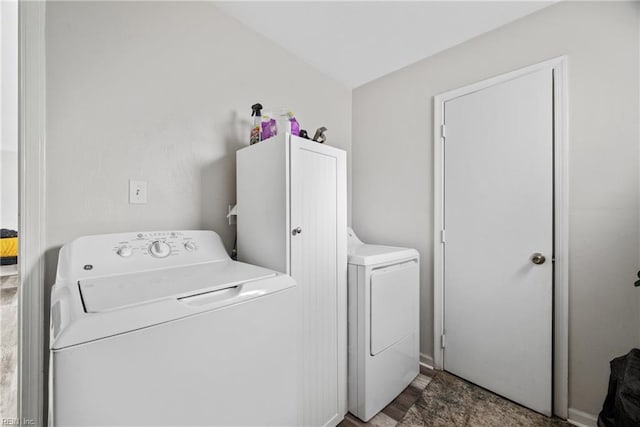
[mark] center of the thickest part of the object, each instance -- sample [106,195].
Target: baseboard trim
[426,361]
[581,419]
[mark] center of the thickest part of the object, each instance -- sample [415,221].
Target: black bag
[622,405]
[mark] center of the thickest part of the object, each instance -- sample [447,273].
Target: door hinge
[442,236]
[443,131]
[442,340]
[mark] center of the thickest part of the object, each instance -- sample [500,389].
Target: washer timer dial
[160,249]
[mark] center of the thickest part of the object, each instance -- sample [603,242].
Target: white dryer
[163,328]
[384,298]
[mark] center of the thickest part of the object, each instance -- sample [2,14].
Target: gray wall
[162,91]
[392,167]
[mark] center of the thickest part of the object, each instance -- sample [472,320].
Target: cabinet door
[317,235]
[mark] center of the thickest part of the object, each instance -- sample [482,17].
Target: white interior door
[498,213]
[314,265]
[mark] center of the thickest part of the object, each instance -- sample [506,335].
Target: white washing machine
[384,339]
[163,328]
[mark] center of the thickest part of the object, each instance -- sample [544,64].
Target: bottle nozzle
[256,110]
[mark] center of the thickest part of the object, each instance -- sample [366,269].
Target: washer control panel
[159,244]
[99,255]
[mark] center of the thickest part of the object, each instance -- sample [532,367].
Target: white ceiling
[358,41]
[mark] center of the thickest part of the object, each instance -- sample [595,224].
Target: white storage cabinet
[292,218]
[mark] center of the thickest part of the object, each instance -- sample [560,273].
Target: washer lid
[116,292]
[71,324]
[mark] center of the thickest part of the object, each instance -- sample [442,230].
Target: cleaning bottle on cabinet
[288,123]
[267,127]
[256,130]
[273,124]
[294,126]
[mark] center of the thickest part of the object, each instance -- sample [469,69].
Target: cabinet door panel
[315,266]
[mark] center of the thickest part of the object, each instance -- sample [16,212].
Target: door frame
[31,188]
[560,363]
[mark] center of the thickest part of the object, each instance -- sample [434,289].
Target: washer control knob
[160,249]
[124,251]
[190,246]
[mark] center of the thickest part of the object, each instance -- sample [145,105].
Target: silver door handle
[296,230]
[538,258]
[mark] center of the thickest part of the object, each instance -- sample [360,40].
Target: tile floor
[439,399]
[8,345]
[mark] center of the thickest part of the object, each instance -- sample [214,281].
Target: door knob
[538,258]
[296,230]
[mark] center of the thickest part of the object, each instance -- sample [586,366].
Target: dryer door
[394,301]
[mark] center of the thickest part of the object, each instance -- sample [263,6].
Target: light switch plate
[137,192]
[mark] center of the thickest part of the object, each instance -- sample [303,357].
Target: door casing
[32,309]
[561,220]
